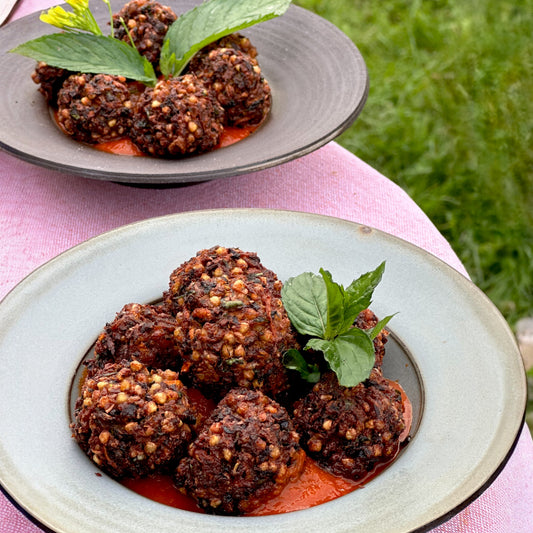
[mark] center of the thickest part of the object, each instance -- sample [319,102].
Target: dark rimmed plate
[458,352]
[319,85]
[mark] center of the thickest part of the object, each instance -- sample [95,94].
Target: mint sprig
[84,49]
[85,52]
[208,22]
[325,311]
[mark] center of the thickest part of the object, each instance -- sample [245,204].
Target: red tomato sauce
[313,487]
[125,146]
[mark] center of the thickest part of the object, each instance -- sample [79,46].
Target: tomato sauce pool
[313,487]
[125,146]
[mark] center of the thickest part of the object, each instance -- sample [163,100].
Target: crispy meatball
[349,430]
[50,80]
[246,452]
[94,108]
[236,80]
[148,23]
[228,307]
[234,40]
[366,320]
[139,332]
[178,116]
[132,422]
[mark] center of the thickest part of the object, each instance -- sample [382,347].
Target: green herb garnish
[83,48]
[325,311]
[208,22]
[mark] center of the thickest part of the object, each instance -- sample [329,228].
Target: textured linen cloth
[44,212]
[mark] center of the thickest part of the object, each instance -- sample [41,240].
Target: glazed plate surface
[457,359]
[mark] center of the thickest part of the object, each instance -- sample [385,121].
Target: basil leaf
[350,355]
[335,293]
[211,21]
[306,301]
[80,52]
[374,332]
[294,360]
[358,295]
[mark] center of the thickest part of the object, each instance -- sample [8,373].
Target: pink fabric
[43,213]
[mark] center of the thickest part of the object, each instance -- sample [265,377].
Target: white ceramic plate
[463,369]
[319,86]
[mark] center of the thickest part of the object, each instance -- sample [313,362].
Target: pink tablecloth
[43,212]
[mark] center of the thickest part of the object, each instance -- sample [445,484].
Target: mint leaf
[211,21]
[306,301]
[350,355]
[294,360]
[89,53]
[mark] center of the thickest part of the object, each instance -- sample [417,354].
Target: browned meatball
[178,116]
[245,453]
[94,108]
[234,40]
[50,80]
[139,332]
[132,422]
[148,23]
[236,80]
[228,307]
[366,320]
[349,430]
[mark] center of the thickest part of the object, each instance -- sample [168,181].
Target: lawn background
[449,118]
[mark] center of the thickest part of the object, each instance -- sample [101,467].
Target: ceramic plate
[456,357]
[319,86]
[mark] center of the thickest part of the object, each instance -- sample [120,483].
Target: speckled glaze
[462,369]
[319,86]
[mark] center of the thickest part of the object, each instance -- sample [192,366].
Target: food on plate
[50,80]
[229,308]
[132,421]
[178,116]
[212,388]
[94,107]
[139,84]
[246,452]
[350,430]
[140,332]
[146,23]
[235,79]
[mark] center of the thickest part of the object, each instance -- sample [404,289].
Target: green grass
[449,118]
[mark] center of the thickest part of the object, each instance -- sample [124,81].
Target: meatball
[246,452]
[94,108]
[148,23]
[228,307]
[50,80]
[350,430]
[234,40]
[132,422]
[367,320]
[178,116]
[139,332]
[236,80]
